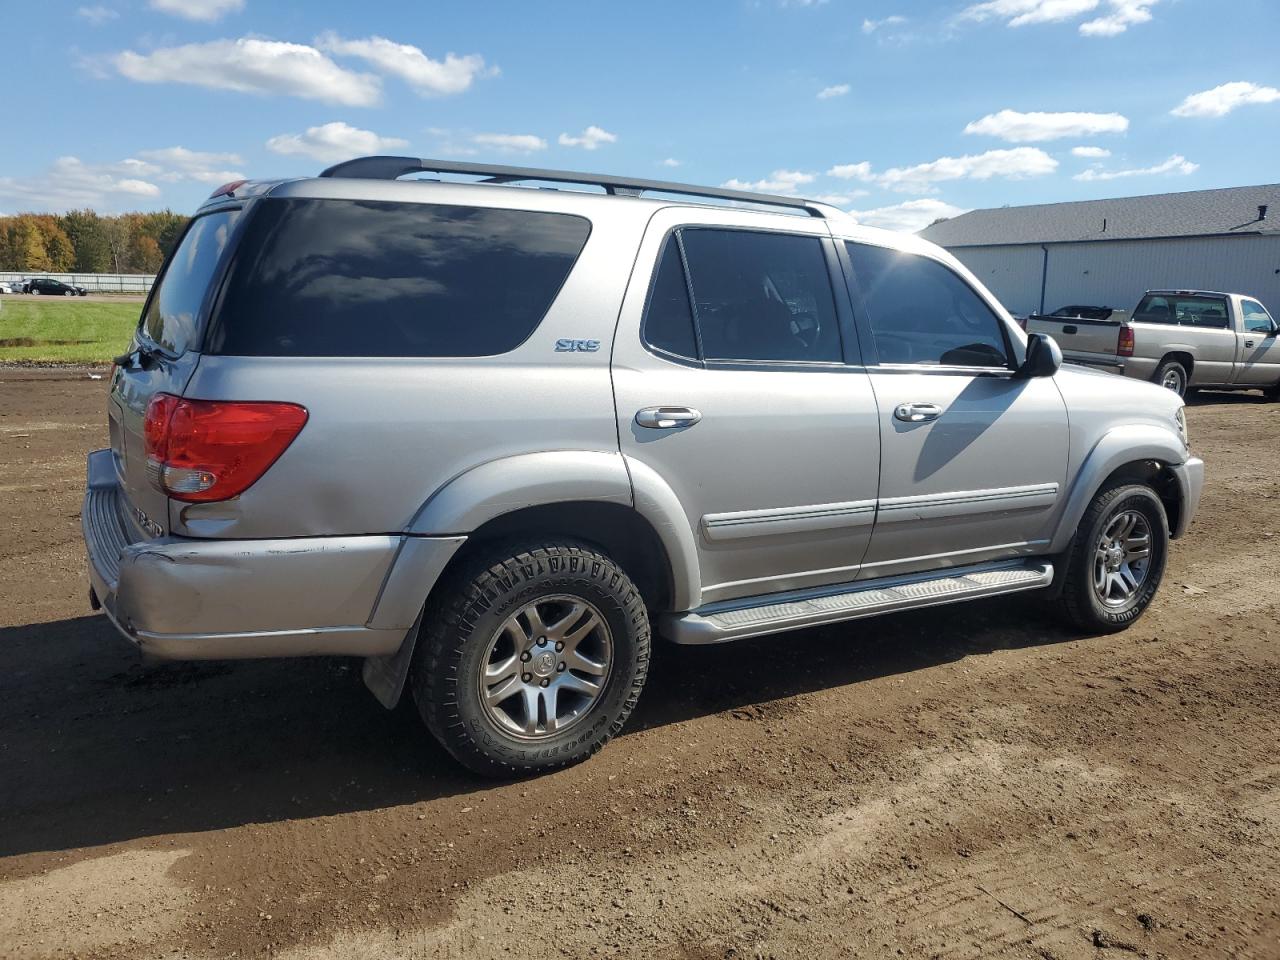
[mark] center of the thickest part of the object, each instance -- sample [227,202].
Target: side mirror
[1044,357]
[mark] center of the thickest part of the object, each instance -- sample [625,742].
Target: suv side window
[923,313]
[668,318]
[1256,318]
[372,278]
[761,296]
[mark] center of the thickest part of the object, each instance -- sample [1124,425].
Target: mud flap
[385,676]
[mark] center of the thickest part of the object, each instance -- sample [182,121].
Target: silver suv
[488,437]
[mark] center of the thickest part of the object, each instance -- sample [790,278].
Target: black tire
[454,647]
[1272,393]
[1172,372]
[1080,601]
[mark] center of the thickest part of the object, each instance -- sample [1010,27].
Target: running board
[754,616]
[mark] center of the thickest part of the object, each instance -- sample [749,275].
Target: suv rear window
[172,317]
[364,278]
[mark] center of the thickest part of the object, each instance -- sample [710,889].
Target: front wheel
[533,659]
[1117,559]
[68,293]
[35,292]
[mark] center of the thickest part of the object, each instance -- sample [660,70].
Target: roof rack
[391,168]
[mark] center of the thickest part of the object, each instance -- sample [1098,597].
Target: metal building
[1108,252]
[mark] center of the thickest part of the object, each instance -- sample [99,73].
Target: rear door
[165,353]
[732,387]
[973,459]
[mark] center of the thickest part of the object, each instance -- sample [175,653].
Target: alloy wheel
[546,667]
[1122,558]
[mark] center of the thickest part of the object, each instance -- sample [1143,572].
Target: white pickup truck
[1182,339]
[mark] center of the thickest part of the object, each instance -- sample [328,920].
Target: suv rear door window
[923,313]
[761,296]
[668,319]
[330,278]
[172,317]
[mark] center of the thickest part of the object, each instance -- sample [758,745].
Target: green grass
[66,330]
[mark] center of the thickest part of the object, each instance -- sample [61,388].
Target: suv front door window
[973,459]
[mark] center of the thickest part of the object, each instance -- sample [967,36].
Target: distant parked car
[10,286]
[49,287]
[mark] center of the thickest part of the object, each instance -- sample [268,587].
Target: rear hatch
[162,357]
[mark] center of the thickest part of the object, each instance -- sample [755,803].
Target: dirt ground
[970,782]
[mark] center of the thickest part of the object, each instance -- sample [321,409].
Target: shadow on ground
[96,747]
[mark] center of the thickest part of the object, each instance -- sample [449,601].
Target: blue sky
[898,110]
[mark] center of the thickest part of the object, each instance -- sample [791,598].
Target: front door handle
[1248,343]
[917,412]
[667,418]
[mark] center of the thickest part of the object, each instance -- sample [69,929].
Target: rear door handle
[667,418]
[917,412]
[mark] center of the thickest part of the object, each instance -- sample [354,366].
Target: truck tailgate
[1081,340]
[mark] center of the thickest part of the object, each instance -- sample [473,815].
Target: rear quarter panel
[384,434]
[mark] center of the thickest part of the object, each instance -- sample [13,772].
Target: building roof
[1196,213]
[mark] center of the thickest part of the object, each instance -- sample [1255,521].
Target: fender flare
[503,486]
[1117,447]
[497,487]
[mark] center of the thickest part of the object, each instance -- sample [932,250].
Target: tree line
[82,241]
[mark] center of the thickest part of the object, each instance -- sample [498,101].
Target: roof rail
[391,168]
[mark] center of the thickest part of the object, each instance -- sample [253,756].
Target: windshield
[172,317]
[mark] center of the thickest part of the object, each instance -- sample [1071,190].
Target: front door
[733,391]
[973,459]
[1259,346]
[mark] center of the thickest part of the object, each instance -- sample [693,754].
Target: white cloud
[510,142]
[70,183]
[97,15]
[871,26]
[1121,14]
[1021,13]
[206,10]
[427,77]
[252,65]
[910,216]
[1221,100]
[1018,127]
[780,181]
[839,199]
[1124,14]
[1177,164]
[1013,164]
[837,90]
[1091,153]
[589,139]
[671,162]
[1016,164]
[851,171]
[334,141]
[173,164]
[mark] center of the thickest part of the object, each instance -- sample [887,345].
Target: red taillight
[205,450]
[228,189]
[1124,347]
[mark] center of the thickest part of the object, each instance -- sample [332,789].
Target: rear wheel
[1172,375]
[533,660]
[1117,559]
[35,292]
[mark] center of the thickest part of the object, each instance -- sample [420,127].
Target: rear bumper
[1190,476]
[184,599]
